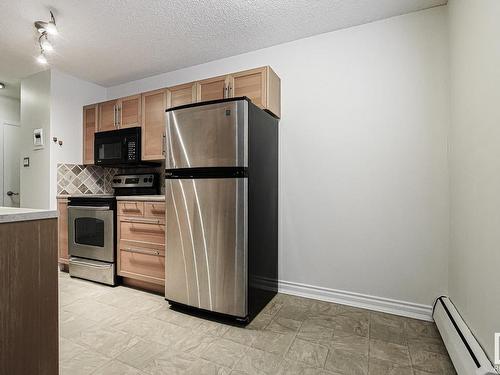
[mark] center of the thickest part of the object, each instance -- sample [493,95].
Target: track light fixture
[45,29]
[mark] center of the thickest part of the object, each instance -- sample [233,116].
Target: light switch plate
[38,138]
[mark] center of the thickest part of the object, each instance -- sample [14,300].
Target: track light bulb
[46,45]
[41,59]
[51,28]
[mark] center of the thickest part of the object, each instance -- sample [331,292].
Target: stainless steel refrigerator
[221,193]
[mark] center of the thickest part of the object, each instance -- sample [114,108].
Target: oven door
[91,233]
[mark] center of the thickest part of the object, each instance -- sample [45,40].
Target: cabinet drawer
[154,209]
[142,263]
[131,208]
[142,230]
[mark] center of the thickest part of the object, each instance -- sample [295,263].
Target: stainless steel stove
[92,227]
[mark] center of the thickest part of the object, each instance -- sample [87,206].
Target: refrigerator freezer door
[206,244]
[212,135]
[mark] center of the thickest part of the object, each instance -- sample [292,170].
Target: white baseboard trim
[387,305]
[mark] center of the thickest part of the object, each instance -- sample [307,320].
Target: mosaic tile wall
[76,179]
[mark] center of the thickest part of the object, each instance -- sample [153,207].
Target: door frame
[2,185]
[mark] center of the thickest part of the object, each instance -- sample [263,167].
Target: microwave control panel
[131,149]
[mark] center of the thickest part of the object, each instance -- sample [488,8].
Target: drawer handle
[142,221]
[147,230]
[142,251]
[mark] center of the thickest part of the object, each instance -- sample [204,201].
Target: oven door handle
[71,260]
[90,208]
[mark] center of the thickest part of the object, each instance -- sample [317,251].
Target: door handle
[141,251]
[11,193]
[141,221]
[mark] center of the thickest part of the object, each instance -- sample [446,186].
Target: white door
[11,168]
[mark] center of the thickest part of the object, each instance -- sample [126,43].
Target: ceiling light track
[45,29]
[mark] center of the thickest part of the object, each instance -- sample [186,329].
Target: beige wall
[364,190]
[35,113]
[475,165]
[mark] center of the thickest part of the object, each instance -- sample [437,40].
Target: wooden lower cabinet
[141,241]
[28,298]
[62,230]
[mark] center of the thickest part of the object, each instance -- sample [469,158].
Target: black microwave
[118,147]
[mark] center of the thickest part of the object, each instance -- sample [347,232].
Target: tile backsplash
[75,179]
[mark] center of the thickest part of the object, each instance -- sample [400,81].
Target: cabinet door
[154,104]
[62,229]
[89,128]
[212,89]
[181,95]
[261,85]
[107,116]
[129,111]
[250,83]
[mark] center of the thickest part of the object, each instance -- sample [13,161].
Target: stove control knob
[145,179]
[150,179]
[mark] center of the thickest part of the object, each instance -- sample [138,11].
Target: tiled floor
[123,331]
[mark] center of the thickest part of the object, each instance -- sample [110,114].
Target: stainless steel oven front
[91,232]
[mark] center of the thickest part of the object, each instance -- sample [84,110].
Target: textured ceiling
[114,41]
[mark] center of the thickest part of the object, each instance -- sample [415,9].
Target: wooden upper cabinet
[90,115]
[251,84]
[261,85]
[213,88]
[181,95]
[129,111]
[154,104]
[120,113]
[107,116]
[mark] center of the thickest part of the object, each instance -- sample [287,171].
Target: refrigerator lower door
[206,244]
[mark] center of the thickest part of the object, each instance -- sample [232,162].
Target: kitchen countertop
[149,198]
[12,214]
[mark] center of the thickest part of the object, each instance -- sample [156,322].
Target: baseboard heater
[465,352]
